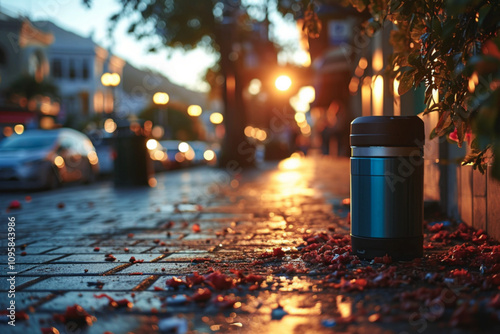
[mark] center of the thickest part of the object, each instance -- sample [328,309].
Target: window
[85,69]
[56,68]
[72,69]
[3,58]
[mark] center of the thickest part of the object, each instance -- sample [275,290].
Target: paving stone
[19,280]
[70,269]
[156,268]
[24,299]
[86,283]
[99,257]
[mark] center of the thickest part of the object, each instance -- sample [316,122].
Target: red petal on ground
[435,228]
[345,320]
[96,249]
[202,295]
[15,204]
[194,279]
[253,278]
[196,228]
[168,225]
[175,283]
[130,235]
[27,198]
[386,259]
[495,301]
[49,330]
[115,303]
[464,316]
[75,314]
[277,252]
[61,205]
[157,288]
[224,302]
[219,281]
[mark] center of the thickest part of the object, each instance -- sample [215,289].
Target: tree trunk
[237,152]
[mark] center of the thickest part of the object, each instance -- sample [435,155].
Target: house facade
[23,54]
[76,66]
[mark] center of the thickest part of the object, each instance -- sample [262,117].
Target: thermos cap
[387,131]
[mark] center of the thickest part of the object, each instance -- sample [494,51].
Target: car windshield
[27,142]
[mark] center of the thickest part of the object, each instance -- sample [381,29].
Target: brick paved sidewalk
[128,258]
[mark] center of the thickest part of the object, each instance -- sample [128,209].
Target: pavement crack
[57,258]
[146,283]
[117,269]
[162,256]
[30,283]
[49,250]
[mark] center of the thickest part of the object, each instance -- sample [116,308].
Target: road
[271,247]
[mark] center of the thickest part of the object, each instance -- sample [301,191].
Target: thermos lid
[387,131]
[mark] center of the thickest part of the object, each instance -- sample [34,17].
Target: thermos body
[387,186]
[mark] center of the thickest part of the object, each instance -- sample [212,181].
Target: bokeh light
[283,83]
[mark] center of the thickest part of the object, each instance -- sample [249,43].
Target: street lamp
[161,99]
[111,80]
[283,83]
[194,110]
[216,118]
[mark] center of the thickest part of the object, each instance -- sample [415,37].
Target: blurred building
[139,87]
[23,67]
[76,66]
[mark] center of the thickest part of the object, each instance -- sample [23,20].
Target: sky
[185,69]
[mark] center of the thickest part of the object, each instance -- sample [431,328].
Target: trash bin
[132,164]
[387,186]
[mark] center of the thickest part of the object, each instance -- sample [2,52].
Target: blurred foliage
[450,46]
[27,86]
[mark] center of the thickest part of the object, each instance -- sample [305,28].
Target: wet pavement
[210,250]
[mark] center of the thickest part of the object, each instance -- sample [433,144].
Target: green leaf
[443,123]
[395,5]
[460,125]
[433,134]
[406,82]
[131,28]
[436,26]
[359,5]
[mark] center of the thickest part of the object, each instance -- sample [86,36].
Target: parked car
[175,157]
[46,158]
